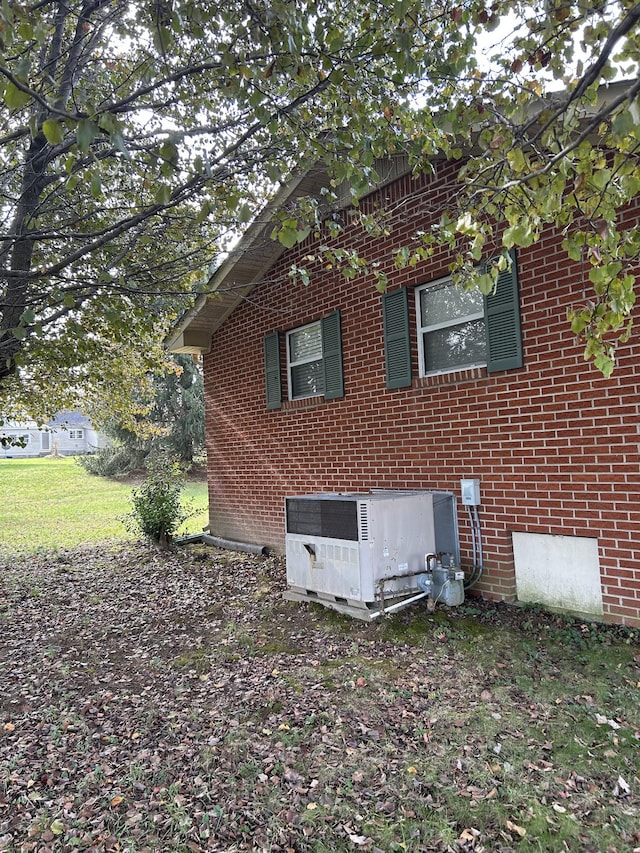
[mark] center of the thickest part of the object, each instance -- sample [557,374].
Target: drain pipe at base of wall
[219,542]
[229,545]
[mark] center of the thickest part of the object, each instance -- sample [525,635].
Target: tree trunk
[16,276]
[164,541]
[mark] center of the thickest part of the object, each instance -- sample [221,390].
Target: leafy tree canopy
[136,137]
[172,423]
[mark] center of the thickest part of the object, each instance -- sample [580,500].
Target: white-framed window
[304,361]
[451,328]
[76,434]
[314,362]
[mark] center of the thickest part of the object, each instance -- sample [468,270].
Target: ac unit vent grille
[333,519]
[364,522]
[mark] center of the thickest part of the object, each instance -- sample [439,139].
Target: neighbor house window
[76,433]
[451,328]
[304,361]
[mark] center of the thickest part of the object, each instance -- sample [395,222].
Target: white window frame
[76,434]
[291,364]
[456,321]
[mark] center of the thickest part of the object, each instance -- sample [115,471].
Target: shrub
[157,511]
[113,461]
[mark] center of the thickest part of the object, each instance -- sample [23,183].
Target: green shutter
[332,356]
[272,370]
[397,342]
[502,320]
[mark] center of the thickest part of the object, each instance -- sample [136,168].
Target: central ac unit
[356,552]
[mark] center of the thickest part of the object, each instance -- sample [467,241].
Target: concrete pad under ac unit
[558,571]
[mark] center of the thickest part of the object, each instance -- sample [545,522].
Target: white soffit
[248,263]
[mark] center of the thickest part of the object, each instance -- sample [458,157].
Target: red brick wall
[556,445]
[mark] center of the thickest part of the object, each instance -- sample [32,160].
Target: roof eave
[243,268]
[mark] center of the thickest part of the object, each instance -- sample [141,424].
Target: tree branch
[592,74]
[586,131]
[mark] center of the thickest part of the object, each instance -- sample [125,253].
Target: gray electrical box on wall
[470,490]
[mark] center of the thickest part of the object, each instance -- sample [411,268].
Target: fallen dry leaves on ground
[155,702]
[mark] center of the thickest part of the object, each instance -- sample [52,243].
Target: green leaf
[53,131]
[520,234]
[303,233]
[244,213]
[574,246]
[287,236]
[624,123]
[108,122]
[163,194]
[517,160]
[274,173]
[162,38]
[25,30]
[402,257]
[579,321]
[486,283]
[15,98]
[169,155]
[203,214]
[85,134]
[289,233]
[382,281]
[605,362]
[119,144]
[57,827]
[96,185]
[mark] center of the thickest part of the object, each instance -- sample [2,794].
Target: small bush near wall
[157,510]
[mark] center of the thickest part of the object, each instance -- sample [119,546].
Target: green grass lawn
[54,503]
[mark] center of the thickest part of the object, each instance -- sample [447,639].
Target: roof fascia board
[230,272]
[253,233]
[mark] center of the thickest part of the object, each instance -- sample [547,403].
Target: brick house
[334,387]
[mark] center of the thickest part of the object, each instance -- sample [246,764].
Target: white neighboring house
[67,434]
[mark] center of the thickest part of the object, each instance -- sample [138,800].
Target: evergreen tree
[173,425]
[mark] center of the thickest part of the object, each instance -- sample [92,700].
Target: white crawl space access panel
[349,550]
[561,572]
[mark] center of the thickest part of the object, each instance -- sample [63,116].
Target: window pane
[455,346]
[305,343]
[443,304]
[307,379]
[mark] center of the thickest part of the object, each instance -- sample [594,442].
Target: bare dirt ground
[153,702]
